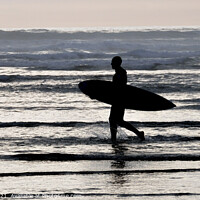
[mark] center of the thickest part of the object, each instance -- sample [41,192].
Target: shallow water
[55,141]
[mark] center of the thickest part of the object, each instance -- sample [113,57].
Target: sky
[98,13]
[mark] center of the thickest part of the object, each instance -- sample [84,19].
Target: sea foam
[92,49]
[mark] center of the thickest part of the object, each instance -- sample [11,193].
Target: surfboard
[127,96]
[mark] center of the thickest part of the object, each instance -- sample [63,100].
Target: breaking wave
[75,157]
[71,49]
[82,124]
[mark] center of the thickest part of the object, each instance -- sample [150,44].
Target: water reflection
[118,178]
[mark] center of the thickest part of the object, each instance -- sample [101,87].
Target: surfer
[117,111]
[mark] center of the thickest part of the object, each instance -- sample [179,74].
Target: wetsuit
[117,110]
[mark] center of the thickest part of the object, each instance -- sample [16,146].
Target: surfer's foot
[141,135]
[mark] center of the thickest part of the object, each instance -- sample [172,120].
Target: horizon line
[104,27]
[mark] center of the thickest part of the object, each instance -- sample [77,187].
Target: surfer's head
[116,62]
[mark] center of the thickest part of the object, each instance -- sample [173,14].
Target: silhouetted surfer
[117,111]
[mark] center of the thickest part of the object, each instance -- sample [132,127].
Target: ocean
[55,141]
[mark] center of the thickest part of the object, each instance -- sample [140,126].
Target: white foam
[93,48]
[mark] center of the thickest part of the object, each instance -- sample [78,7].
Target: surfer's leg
[113,122]
[113,130]
[113,134]
[128,126]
